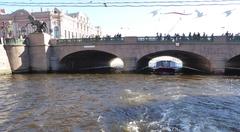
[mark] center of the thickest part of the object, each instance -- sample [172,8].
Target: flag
[178,13]
[154,13]
[199,14]
[2,11]
[228,13]
[105,4]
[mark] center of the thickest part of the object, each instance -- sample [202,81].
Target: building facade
[60,25]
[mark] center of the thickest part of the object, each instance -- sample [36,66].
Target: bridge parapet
[146,39]
[83,41]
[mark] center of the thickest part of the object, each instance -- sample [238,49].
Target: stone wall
[18,58]
[4,62]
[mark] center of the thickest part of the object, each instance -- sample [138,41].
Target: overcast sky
[167,17]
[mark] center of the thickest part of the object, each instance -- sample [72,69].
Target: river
[119,102]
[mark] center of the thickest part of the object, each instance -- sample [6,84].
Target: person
[159,37]
[26,40]
[190,36]
[212,37]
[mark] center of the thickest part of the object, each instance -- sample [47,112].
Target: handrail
[173,39]
[89,40]
[150,39]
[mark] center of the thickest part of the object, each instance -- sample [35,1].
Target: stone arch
[190,60]
[86,60]
[232,66]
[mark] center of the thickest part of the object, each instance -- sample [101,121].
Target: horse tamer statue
[40,26]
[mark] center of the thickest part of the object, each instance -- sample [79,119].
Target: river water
[119,103]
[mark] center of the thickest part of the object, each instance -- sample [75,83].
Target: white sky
[139,21]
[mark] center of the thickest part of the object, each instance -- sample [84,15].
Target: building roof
[20,12]
[76,14]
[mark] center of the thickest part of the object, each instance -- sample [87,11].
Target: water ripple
[119,102]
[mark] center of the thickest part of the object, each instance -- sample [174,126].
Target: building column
[130,64]
[38,52]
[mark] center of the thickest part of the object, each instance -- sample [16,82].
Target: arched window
[56,32]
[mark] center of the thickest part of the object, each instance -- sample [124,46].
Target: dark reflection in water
[119,102]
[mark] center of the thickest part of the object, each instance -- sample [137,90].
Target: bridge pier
[130,64]
[38,52]
[218,66]
[4,62]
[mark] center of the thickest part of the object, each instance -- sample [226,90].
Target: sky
[162,16]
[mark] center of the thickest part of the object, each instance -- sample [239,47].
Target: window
[56,32]
[65,32]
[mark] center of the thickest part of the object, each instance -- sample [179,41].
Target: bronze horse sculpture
[40,26]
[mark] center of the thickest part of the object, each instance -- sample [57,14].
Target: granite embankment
[4,62]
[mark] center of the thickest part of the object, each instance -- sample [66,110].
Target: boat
[165,67]
[164,71]
[146,70]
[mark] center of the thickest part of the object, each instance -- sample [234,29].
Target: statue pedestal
[38,52]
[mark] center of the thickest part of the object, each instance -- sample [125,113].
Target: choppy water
[119,102]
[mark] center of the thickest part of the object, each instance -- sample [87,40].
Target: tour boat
[164,71]
[165,67]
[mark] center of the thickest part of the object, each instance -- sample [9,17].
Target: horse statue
[40,26]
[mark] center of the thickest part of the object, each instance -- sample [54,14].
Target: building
[60,25]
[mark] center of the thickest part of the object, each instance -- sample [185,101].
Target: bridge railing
[149,39]
[172,39]
[88,40]
[233,38]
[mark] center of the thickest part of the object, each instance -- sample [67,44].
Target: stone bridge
[43,54]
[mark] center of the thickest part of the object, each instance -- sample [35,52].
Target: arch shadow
[232,66]
[192,63]
[87,61]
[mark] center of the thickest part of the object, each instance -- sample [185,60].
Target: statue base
[38,52]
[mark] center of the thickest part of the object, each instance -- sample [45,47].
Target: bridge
[42,54]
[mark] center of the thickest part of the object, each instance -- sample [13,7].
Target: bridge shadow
[89,61]
[232,66]
[192,63]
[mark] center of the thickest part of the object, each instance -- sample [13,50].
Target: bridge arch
[191,61]
[232,66]
[87,60]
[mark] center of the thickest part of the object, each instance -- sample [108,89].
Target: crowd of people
[232,37]
[195,37]
[190,37]
[175,38]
